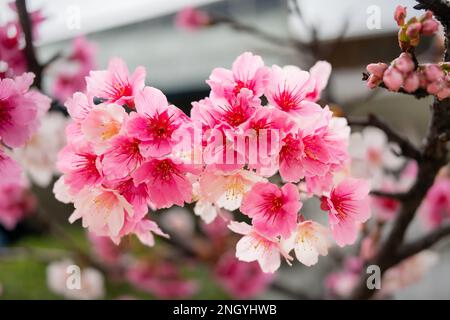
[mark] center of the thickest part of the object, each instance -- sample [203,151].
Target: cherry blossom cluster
[404,72]
[162,278]
[12,44]
[21,110]
[128,149]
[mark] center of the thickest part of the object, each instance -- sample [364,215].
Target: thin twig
[400,196]
[425,242]
[29,50]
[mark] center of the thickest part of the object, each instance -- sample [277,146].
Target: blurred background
[178,62]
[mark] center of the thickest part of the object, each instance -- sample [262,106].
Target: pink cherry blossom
[135,194]
[158,125]
[20,109]
[102,211]
[104,248]
[340,284]
[116,84]
[38,156]
[191,19]
[11,42]
[288,89]
[227,189]
[144,229]
[253,246]
[248,71]
[163,279]
[10,170]
[348,207]
[265,129]
[309,240]
[319,73]
[16,203]
[240,279]
[436,206]
[166,181]
[101,124]
[80,166]
[79,106]
[71,72]
[372,153]
[122,157]
[315,150]
[273,210]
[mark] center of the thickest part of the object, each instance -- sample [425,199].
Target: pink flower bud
[377,69]
[433,72]
[434,87]
[373,81]
[413,30]
[404,63]
[429,27]
[444,93]
[411,82]
[393,79]
[400,15]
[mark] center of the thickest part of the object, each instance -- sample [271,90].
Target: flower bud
[393,79]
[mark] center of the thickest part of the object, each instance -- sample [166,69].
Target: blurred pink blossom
[191,19]
[162,279]
[348,206]
[16,203]
[240,279]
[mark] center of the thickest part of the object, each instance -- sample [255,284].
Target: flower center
[287,101]
[165,169]
[122,90]
[235,115]
[161,125]
[237,88]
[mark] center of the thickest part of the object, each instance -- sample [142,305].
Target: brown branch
[434,157]
[407,148]
[29,50]
[52,59]
[400,196]
[425,242]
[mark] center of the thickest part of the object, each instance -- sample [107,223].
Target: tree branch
[29,50]
[239,26]
[434,157]
[407,148]
[428,240]
[400,196]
